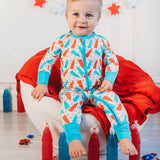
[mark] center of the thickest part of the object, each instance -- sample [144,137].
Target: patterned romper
[81,66]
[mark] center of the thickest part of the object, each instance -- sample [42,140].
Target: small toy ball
[24,141]
[30,136]
[149,156]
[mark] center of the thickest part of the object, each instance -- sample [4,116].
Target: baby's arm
[112,67]
[39,91]
[44,71]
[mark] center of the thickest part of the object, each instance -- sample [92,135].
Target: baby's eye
[75,14]
[89,15]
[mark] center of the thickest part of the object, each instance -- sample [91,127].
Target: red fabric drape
[135,88]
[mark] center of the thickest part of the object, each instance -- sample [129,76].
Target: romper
[81,75]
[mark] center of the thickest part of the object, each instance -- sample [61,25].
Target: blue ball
[30,136]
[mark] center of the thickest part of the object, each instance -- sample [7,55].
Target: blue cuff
[111,76]
[122,130]
[72,132]
[43,77]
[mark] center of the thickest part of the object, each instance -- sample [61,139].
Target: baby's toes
[83,152]
[72,154]
[78,153]
[126,151]
[133,151]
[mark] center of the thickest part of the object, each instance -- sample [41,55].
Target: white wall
[148,38]
[25,30]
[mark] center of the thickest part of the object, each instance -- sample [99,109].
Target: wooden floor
[15,126]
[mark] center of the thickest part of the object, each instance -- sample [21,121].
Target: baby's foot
[127,147]
[76,149]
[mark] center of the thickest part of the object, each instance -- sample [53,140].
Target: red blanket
[135,88]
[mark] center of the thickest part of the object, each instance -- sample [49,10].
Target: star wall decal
[39,3]
[114,9]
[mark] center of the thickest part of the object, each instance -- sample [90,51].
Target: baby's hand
[39,91]
[105,86]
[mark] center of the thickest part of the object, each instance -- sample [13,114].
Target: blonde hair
[100,4]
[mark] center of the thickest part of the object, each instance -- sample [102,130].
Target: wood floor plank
[15,126]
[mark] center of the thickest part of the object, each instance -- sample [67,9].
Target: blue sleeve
[47,62]
[111,62]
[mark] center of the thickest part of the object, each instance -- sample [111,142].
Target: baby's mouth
[81,27]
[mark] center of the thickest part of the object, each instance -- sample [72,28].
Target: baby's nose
[82,19]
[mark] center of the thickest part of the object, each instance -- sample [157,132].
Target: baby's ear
[99,18]
[66,15]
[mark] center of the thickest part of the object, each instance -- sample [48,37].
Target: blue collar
[86,37]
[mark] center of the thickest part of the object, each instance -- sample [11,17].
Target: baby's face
[82,17]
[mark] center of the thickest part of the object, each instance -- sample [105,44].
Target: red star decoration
[114,9]
[39,3]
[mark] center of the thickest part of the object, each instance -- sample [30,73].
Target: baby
[81,53]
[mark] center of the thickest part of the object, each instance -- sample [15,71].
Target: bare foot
[127,147]
[76,149]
